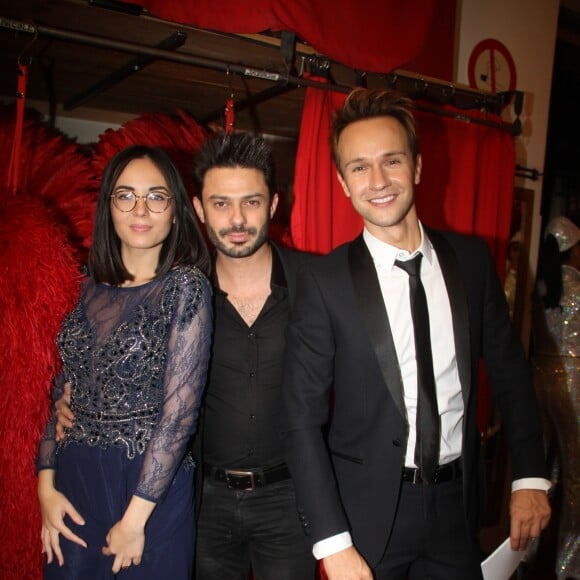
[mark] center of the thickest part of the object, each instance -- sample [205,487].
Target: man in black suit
[374,506]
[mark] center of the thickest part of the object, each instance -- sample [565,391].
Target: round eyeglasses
[127,201]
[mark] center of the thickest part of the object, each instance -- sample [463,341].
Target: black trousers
[258,530]
[430,538]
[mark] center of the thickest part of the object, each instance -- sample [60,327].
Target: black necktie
[428,431]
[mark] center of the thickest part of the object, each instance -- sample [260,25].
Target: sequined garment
[136,358]
[557,376]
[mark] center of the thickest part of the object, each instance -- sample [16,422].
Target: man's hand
[529,515]
[347,565]
[64,415]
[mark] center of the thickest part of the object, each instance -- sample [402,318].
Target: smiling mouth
[380,200]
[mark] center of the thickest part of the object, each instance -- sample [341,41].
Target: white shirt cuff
[342,541]
[332,545]
[531,483]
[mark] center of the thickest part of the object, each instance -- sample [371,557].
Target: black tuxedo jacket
[344,422]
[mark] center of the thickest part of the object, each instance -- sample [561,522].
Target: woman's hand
[126,539]
[126,544]
[54,506]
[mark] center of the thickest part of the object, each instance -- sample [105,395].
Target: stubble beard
[244,249]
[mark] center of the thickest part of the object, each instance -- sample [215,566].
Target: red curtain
[375,35]
[468,178]
[322,216]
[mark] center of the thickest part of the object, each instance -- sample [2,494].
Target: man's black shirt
[243,398]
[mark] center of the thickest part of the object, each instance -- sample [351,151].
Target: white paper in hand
[502,563]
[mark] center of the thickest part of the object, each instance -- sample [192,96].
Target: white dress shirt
[394,284]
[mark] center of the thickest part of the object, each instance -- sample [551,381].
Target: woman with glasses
[116,493]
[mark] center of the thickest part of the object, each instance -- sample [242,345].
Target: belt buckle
[417,476]
[236,473]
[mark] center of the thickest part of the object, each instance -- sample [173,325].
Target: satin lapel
[371,304]
[459,310]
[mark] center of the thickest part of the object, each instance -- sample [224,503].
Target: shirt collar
[278,274]
[277,278]
[384,254]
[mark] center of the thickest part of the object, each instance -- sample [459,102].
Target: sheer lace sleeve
[46,458]
[185,377]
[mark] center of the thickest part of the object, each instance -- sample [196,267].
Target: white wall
[528,29]
[84,124]
[83,130]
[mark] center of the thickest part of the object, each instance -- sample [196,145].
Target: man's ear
[274,204]
[198,207]
[418,167]
[342,183]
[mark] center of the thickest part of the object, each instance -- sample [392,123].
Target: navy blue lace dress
[137,359]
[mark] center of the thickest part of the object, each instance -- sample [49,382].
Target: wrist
[46,482]
[137,513]
[133,521]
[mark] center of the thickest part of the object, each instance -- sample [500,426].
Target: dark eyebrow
[224,197]
[131,188]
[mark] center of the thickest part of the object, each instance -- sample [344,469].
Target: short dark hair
[364,104]
[184,245]
[234,150]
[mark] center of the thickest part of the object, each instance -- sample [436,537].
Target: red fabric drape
[467,179]
[377,35]
[322,216]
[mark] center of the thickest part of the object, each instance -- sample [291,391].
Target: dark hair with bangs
[184,245]
[364,104]
[234,150]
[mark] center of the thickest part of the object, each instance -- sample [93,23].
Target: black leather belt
[248,479]
[446,472]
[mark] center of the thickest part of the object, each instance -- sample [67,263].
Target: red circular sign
[491,67]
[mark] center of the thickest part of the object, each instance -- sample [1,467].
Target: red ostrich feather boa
[38,285]
[178,134]
[45,231]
